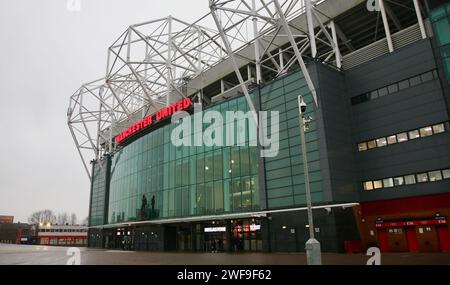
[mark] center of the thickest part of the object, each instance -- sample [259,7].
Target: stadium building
[375,76]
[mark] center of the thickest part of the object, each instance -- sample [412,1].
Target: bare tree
[73,219]
[63,218]
[85,222]
[42,217]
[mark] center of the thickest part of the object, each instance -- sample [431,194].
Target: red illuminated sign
[411,223]
[160,115]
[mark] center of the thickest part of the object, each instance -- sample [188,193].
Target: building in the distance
[14,233]
[378,145]
[6,219]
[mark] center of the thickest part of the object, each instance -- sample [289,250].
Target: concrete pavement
[49,255]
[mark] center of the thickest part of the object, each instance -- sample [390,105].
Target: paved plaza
[48,255]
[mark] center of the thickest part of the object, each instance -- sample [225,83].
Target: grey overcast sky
[46,53]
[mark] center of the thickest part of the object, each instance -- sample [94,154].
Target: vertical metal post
[280,56]
[312,36]
[419,19]
[256,35]
[386,26]
[313,254]
[337,52]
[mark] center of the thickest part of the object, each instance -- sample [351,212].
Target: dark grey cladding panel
[409,109]
[337,160]
[406,191]
[402,63]
[405,158]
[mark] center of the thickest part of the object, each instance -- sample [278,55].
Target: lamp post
[312,246]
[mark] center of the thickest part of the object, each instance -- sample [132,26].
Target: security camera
[302,104]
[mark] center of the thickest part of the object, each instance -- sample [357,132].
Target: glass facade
[440,18]
[98,193]
[284,173]
[153,179]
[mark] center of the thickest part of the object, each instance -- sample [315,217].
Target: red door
[444,238]
[383,241]
[413,245]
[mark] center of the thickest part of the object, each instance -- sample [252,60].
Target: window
[439,128]
[422,177]
[388,182]
[410,179]
[383,91]
[446,173]
[371,144]
[435,175]
[373,95]
[425,132]
[393,88]
[368,185]
[413,134]
[414,81]
[399,181]
[381,142]
[362,146]
[427,76]
[392,139]
[402,137]
[403,84]
[377,184]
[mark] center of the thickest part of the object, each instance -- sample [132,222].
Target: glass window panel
[381,142]
[227,195]
[439,128]
[185,172]
[200,168]
[414,81]
[368,185]
[427,76]
[393,88]
[446,173]
[426,131]
[374,94]
[246,188]
[382,91]
[362,146]
[254,155]
[388,182]
[245,161]
[201,199]
[435,175]
[371,144]
[218,164]
[377,184]
[218,196]
[403,84]
[236,194]
[392,139]
[209,167]
[410,179]
[399,181]
[209,194]
[255,192]
[413,134]
[235,163]
[422,177]
[402,137]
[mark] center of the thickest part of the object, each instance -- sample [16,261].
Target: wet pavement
[48,255]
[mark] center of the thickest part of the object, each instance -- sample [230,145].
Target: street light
[313,255]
